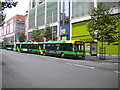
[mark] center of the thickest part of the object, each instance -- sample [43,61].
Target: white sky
[21,7]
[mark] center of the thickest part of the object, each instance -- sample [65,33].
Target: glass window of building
[52,11]
[80,8]
[64,12]
[31,18]
[54,31]
[41,14]
[33,4]
[109,3]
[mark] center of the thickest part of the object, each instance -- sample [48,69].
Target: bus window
[63,47]
[48,47]
[33,46]
[66,47]
[24,46]
[57,46]
[78,47]
[82,48]
[53,47]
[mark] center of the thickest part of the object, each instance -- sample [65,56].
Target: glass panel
[51,12]
[80,8]
[31,18]
[109,3]
[76,47]
[41,14]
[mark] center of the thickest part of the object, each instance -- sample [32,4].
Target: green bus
[9,47]
[30,47]
[63,48]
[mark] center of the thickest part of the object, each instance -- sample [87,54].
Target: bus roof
[28,43]
[62,41]
[10,44]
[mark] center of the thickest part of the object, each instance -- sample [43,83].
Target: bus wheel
[31,51]
[62,55]
[83,58]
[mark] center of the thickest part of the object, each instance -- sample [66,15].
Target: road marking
[89,67]
[69,63]
[116,71]
[92,67]
[81,65]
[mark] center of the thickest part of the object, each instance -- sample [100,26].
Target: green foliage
[103,24]
[37,33]
[22,37]
[5,41]
[8,4]
[48,32]
[3,5]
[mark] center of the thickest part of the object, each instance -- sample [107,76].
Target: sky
[21,7]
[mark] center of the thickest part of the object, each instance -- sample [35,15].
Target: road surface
[22,70]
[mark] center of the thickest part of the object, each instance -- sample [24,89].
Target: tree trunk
[102,51]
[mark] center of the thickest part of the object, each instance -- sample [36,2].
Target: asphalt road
[22,70]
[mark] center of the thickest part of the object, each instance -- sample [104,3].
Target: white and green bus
[63,48]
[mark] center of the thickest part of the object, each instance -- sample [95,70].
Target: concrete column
[45,12]
[70,19]
[58,20]
[36,14]
[95,3]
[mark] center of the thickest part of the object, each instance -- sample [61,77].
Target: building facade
[68,19]
[26,26]
[43,13]
[13,27]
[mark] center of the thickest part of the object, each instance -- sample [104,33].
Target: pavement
[108,58]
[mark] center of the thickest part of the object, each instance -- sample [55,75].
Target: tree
[48,32]
[103,24]
[103,27]
[37,33]
[8,4]
[3,5]
[22,37]
[5,41]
